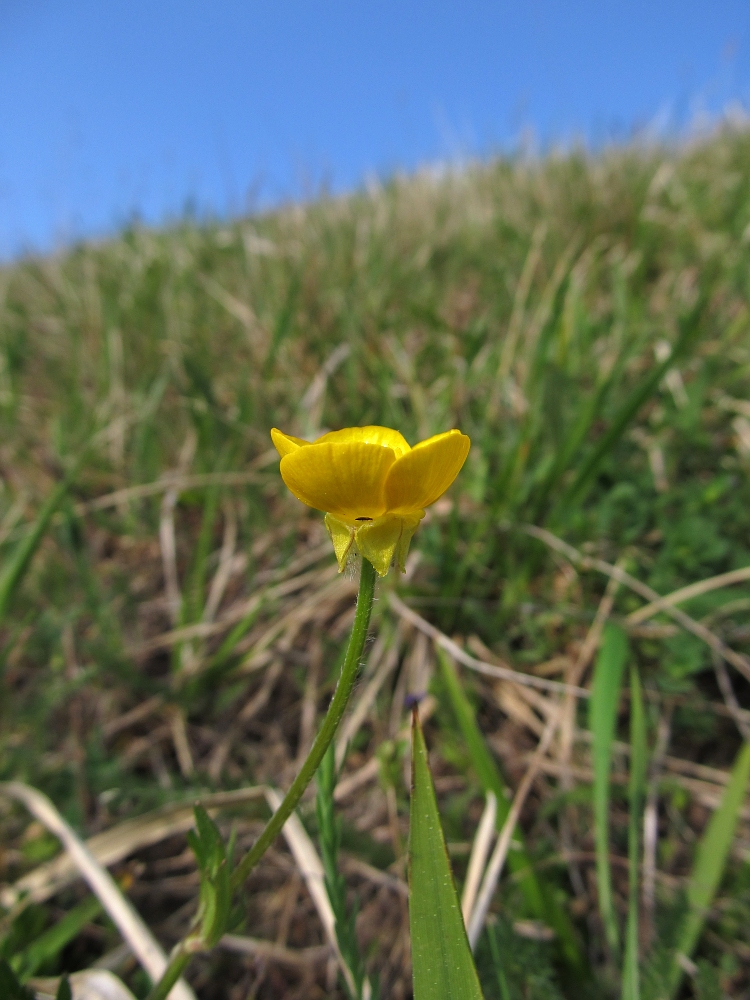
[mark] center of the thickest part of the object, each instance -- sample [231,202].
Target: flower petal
[420,477]
[384,436]
[342,536]
[346,480]
[285,444]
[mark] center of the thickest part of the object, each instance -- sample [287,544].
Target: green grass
[534,305]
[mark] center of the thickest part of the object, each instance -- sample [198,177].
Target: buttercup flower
[372,486]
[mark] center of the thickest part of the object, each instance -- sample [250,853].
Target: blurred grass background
[584,318]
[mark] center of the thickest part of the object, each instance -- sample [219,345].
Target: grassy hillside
[178,631]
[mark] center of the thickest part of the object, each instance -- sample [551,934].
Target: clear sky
[116,108]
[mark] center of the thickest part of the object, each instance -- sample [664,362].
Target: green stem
[327,731]
[349,671]
[177,965]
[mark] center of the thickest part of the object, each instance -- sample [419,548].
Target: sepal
[342,536]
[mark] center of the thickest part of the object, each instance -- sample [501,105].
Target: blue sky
[116,108]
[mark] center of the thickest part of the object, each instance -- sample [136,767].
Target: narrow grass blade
[14,572]
[284,323]
[10,988]
[481,759]
[708,867]
[52,942]
[631,976]
[442,965]
[589,411]
[497,960]
[480,850]
[197,583]
[603,716]
[539,897]
[64,991]
[329,838]
[240,630]
[645,388]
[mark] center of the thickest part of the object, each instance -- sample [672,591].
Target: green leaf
[710,860]
[63,990]
[631,975]
[539,897]
[215,892]
[329,838]
[442,964]
[14,572]
[10,988]
[52,942]
[605,696]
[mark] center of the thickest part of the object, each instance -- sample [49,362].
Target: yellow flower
[371,484]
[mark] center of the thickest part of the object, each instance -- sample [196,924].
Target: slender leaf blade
[442,964]
[631,975]
[538,896]
[629,409]
[710,860]
[63,990]
[10,988]
[605,696]
[49,944]
[19,562]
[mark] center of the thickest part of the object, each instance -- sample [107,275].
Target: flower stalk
[183,952]
[327,730]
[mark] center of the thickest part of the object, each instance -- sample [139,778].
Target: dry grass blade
[180,741]
[311,404]
[168,546]
[495,866]
[367,773]
[478,857]
[738,660]
[271,952]
[251,708]
[92,984]
[169,482]
[311,869]
[119,842]
[310,700]
[234,614]
[519,308]
[316,607]
[730,698]
[226,564]
[121,912]
[651,826]
[234,306]
[687,593]
[489,669]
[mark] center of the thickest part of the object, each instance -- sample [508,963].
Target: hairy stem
[327,730]
[349,671]
[177,964]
